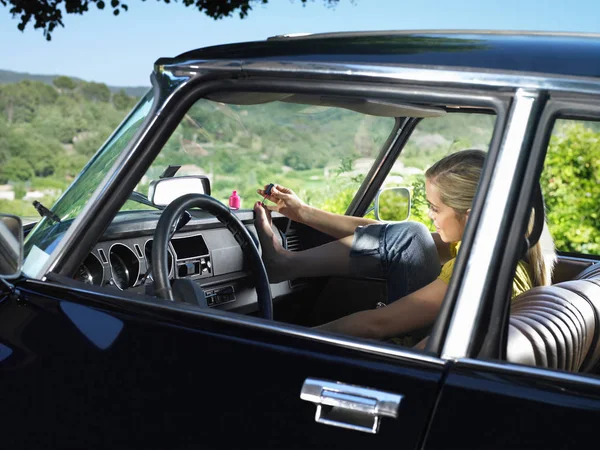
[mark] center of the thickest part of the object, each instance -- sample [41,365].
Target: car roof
[570,54]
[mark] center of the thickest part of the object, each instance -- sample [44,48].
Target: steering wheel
[188,288]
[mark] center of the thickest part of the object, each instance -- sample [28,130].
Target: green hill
[49,128]
[8,76]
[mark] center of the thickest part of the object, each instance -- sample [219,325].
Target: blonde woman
[406,254]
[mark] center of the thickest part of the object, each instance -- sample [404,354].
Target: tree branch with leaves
[48,14]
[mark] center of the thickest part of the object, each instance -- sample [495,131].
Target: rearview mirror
[164,191]
[392,204]
[11,246]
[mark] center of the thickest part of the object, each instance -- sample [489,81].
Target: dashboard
[204,251]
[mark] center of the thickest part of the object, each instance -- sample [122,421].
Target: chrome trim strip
[425,32]
[467,77]
[468,302]
[531,371]
[439,75]
[192,68]
[230,318]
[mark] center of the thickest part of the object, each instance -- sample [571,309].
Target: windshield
[321,152]
[47,234]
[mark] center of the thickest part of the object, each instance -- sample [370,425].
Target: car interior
[554,326]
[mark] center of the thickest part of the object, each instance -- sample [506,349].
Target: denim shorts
[403,253]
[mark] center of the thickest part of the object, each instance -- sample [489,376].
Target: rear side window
[571,186]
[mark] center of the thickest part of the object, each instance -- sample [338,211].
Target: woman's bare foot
[274,256]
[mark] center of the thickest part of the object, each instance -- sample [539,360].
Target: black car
[127,323]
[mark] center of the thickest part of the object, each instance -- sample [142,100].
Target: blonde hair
[457,176]
[542,256]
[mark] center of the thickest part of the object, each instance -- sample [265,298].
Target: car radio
[219,296]
[200,266]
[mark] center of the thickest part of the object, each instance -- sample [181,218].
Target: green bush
[571,187]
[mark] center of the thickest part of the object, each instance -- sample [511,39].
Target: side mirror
[392,204]
[11,246]
[164,191]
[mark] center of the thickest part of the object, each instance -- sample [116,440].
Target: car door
[496,402]
[84,368]
[498,405]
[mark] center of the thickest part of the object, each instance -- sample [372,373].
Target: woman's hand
[285,202]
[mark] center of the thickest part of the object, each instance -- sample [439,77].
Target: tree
[18,101]
[64,83]
[95,91]
[123,102]
[16,169]
[49,14]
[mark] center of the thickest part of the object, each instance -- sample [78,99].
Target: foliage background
[49,131]
[571,186]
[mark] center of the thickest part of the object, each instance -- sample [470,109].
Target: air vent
[293,240]
[293,243]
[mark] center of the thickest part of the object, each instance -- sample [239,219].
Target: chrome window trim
[475,279]
[467,76]
[531,372]
[433,31]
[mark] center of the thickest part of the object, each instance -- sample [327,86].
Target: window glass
[571,186]
[322,153]
[48,232]
[432,139]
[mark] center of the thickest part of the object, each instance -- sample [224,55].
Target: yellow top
[521,283]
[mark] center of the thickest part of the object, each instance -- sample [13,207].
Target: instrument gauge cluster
[90,271]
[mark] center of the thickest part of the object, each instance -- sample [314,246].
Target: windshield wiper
[45,212]
[141,198]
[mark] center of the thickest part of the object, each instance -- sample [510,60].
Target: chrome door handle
[347,406]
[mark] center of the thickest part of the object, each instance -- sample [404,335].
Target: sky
[121,50]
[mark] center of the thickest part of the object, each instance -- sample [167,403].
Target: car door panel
[184,380]
[568,267]
[326,298]
[488,406]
